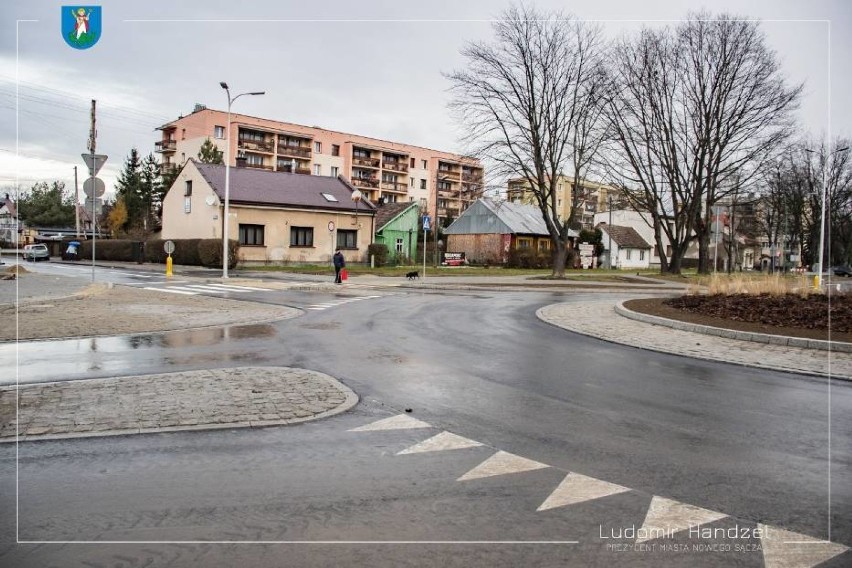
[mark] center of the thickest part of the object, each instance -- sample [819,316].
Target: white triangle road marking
[439,443]
[786,549]
[502,463]
[577,488]
[666,517]
[171,291]
[398,422]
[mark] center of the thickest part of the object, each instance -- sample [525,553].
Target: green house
[396,227]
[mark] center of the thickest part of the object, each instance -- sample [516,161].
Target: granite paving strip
[599,319]
[208,399]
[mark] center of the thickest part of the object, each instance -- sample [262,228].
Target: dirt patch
[790,315]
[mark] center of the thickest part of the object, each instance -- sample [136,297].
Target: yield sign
[98,162]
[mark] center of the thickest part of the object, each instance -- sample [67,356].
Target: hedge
[188,252]
[379,252]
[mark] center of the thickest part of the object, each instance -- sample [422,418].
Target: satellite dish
[210,200]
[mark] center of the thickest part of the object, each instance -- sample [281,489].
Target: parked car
[36,253]
[844,270]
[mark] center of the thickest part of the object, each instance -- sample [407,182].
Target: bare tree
[694,107]
[530,102]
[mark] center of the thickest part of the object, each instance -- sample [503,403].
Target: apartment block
[593,197]
[443,183]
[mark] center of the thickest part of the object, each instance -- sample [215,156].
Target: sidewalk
[600,319]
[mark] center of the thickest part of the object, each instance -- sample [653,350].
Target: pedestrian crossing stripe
[206,288]
[239,288]
[502,463]
[399,422]
[171,290]
[666,517]
[578,488]
[439,443]
[783,549]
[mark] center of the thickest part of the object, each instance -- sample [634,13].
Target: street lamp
[356,197]
[224,85]
[822,215]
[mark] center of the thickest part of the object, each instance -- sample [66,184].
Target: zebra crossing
[194,289]
[331,304]
[663,519]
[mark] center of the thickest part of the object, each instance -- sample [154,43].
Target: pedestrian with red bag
[339,266]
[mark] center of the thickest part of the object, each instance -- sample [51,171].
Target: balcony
[391,186]
[395,166]
[287,167]
[446,194]
[266,146]
[365,162]
[294,151]
[471,177]
[259,166]
[450,174]
[165,146]
[168,168]
[365,182]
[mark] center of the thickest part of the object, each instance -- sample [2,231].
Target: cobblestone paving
[598,319]
[220,398]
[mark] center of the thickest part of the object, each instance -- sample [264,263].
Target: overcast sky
[371,67]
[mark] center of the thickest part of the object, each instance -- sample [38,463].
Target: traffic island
[242,397]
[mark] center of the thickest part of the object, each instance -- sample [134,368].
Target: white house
[9,222]
[627,248]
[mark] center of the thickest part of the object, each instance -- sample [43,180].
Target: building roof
[390,211]
[503,217]
[10,206]
[249,185]
[625,237]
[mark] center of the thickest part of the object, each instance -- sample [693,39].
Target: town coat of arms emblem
[81,26]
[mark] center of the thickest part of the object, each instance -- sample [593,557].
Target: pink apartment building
[390,171]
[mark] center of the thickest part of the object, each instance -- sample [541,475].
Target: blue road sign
[426,223]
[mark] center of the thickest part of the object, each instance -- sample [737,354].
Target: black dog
[412,275]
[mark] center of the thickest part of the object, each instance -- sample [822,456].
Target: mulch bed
[790,315]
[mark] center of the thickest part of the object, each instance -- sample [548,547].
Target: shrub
[379,252]
[210,253]
[528,258]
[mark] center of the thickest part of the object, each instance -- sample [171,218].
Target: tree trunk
[559,259]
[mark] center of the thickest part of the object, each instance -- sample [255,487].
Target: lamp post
[224,85]
[822,214]
[356,197]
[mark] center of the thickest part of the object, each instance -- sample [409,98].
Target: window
[254,160]
[183,133]
[335,150]
[360,153]
[413,161]
[251,235]
[389,178]
[317,169]
[524,243]
[444,185]
[187,187]
[656,250]
[543,245]
[399,243]
[412,183]
[301,236]
[641,255]
[347,239]
[219,132]
[422,184]
[424,164]
[318,147]
[334,171]
[627,253]
[329,197]
[187,204]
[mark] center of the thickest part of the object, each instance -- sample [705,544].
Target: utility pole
[76,203]
[93,134]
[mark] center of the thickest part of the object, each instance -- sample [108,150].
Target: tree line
[679,118]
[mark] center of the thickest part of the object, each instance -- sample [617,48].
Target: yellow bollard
[816,282]
[169,266]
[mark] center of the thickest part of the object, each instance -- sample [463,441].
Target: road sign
[169,247]
[97,204]
[99,162]
[426,223]
[97,183]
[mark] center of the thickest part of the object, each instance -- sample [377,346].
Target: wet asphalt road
[748,443]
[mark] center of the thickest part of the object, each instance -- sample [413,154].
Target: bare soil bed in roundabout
[791,315]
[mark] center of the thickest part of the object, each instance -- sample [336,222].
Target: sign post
[169,247]
[331,238]
[425,229]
